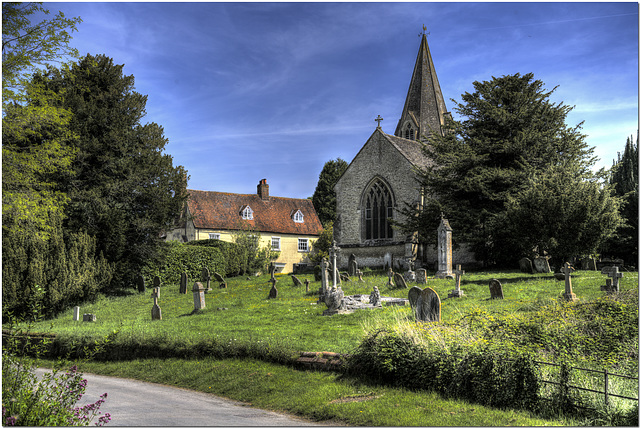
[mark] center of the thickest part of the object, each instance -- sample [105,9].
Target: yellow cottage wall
[289,254]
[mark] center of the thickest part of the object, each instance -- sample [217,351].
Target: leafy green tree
[509,131]
[324,197]
[624,177]
[26,44]
[124,190]
[253,259]
[561,212]
[320,247]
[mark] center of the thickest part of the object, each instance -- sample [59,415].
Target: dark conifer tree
[324,197]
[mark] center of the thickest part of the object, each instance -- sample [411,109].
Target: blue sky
[247,91]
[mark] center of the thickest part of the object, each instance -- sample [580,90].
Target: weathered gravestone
[588,263]
[526,265]
[353,265]
[428,306]
[613,286]
[495,288]
[205,277]
[421,276]
[334,301]
[445,249]
[198,296]
[360,276]
[141,286]
[88,317]
[568,291]
[76,313]
[183,283]
[324,278]
[296,281]
[542,264]
[457,292]
[156,281]
[414,293]
[220,279]
[273,293]
[410,275]
[156,312]
[399,280]
[375,298]
[306,285]
[390,275]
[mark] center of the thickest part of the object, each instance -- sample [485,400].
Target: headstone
[421,276]
[399,280]
[445,249]
[360,276]
[198,296]
[495,288]
[183,283]
[375,298]
[568,291]
[410,276]
[324,274]
[156,312]
[526,265]
[141,286]
[272,270]
[88,317]
[613,285]
[273,293]
[156,281]
[390,275]
[414,293]
[333,251]
[306,285]
[589,263]
[542,264]
[353,265]
[76,313]
[428,306]
[334,301]
[457,292]
[296,281]
[205,277]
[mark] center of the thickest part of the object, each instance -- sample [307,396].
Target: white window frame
[274,240]
[303,245]
[298,217]
[247,213]
[214,236]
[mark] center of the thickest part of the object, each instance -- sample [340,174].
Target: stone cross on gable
[378,119]
[568,291]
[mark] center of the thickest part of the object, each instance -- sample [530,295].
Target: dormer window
[298,217]
[247,213]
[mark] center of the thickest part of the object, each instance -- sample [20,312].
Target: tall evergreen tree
[124,190]
[324,197]
[624,178]
[509,131]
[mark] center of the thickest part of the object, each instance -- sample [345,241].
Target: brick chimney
[263,190]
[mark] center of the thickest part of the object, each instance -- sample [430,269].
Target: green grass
[295,320]
[318,396]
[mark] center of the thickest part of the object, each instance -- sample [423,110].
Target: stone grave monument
[495,288]
[414,293]
[156,281]
[89,317]
[375,298]
[542,264]
[526,265]
[76,313]
[390,276]
[353,265]
[296,281]
[324,280]
[428,306]
[421,276]
[399,280]
[333,300]
[205,277]
[156,312]
[568,291]
[273,293]
[445,249]
[613,284]
[457,292]
[222,283]
[198,296]
[183,283]
[141,285]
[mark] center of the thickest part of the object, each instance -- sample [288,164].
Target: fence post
[606,387]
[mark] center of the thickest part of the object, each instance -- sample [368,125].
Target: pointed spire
[424,109]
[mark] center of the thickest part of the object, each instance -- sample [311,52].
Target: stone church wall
[378,158]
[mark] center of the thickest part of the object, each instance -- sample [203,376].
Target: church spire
[424,109]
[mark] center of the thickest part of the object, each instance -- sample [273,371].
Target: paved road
[136,403]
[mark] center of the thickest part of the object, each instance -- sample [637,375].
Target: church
[381,178]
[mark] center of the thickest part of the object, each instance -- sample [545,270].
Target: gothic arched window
[378,211]
[409,132]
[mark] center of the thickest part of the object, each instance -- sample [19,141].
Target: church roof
[223,211]
[424,106]
[410,149]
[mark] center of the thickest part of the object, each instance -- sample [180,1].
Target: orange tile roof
[222,211]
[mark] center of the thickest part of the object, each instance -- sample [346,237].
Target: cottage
[287,225]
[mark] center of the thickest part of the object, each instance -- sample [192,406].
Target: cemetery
[585,321]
